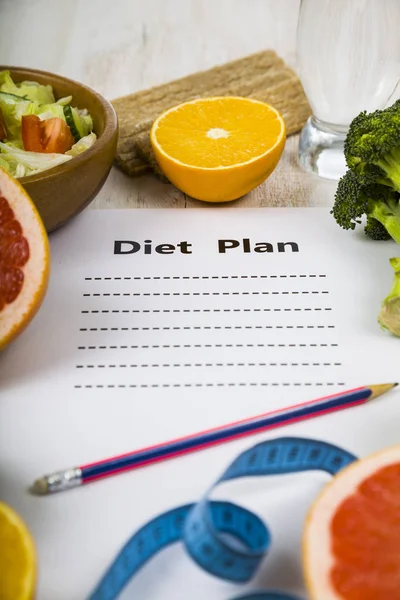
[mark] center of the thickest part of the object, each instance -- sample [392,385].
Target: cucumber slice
[74,123]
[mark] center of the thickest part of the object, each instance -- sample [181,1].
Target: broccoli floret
[350,205]
[386,212]
[355,199]
[389,316]
[375,230]
[372,146]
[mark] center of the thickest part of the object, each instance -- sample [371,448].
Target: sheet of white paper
[134,348]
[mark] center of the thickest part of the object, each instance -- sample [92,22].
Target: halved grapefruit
[24,259]
[351,544]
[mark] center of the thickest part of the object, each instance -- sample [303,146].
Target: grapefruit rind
[317,557]
[15,316]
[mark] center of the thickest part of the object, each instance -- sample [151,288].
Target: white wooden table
[122,46]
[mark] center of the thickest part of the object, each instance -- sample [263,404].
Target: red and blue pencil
[76,476]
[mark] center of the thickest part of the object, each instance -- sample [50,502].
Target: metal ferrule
[64,480]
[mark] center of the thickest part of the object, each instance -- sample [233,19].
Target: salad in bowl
[38,132]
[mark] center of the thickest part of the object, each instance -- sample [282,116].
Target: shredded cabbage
[47,111]
[65,100]
[83,144]
[29,163]
[43,94]
[12,113]
[4,164]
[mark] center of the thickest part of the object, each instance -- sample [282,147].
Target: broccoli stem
[389,315]
[395,291]
[390,164]
[380,212]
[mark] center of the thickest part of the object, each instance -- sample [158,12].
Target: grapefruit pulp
[17,557]
[351,544]
[24,259]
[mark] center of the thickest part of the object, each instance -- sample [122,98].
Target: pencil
[75,476]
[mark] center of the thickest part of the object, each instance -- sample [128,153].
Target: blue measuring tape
[203,526]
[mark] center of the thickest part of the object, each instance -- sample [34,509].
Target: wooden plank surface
[124,46]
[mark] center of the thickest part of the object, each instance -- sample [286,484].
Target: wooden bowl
[63,191]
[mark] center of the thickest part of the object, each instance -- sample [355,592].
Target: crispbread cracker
[263,76]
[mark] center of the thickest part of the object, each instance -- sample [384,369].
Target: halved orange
[351,539]
[218,149]
[24,259]
[17,557]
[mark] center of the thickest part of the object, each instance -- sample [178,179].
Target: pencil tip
[378,390]
[40,487]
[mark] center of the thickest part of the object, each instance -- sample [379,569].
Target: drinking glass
[348,55]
